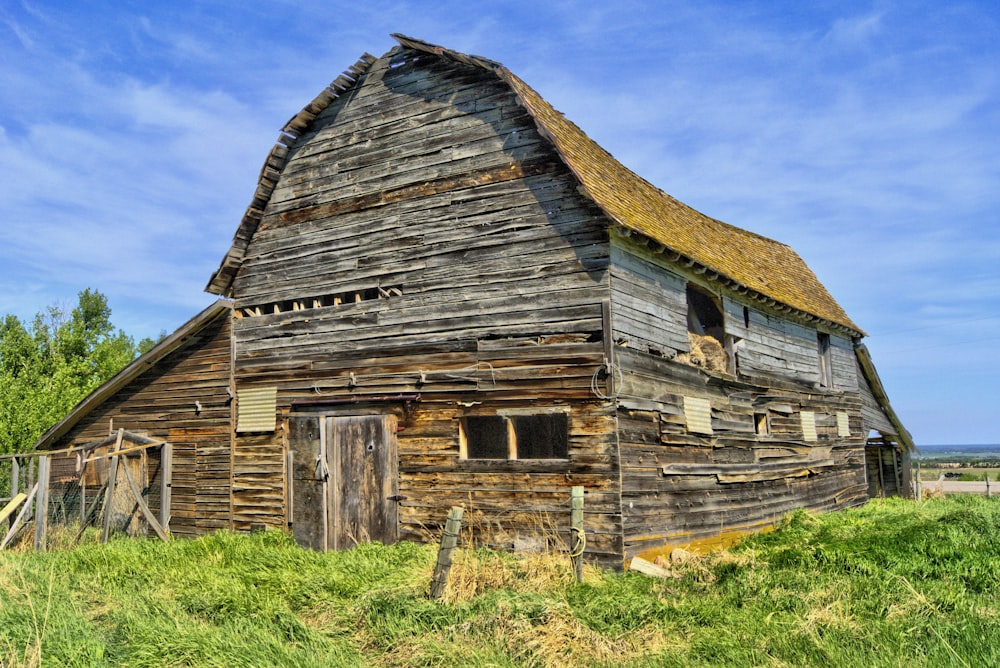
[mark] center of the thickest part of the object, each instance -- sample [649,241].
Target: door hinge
[396,497]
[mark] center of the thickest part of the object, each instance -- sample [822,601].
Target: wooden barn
[444,293]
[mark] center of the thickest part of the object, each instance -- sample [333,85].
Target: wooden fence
[120,483]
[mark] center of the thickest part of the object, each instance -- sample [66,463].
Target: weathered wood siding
[759,461]
[679,487]
[423,238]
[650,314]
[650,306]
[163,403]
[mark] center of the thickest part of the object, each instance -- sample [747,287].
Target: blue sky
[863,134]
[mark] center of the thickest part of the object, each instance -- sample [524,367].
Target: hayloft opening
[542,436]
[706,330]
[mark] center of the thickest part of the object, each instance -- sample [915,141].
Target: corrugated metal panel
[843,425]
[698,413]
[256,409]
[808,425]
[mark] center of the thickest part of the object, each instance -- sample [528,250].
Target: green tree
[49,366]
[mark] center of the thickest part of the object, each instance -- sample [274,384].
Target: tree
[47,368]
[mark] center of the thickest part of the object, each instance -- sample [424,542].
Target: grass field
[893,583]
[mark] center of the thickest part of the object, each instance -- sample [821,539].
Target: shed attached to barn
[444,293]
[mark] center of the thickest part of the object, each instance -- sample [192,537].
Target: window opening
[542,436]
[825,359]
[760,424]
[706,331]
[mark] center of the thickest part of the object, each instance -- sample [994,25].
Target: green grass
[893,583]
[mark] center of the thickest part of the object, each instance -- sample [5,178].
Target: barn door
[344,480]
[365,461]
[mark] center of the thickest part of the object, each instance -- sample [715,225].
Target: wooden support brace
[137,494]
[12,505]
[112,479]
[20,517]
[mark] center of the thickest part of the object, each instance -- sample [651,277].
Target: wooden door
[309,476]
[344,480]
[364,449]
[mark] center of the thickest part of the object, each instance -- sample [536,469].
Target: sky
[864,134]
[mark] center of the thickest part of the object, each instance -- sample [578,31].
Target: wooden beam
[20,517]
[112,479]
[42,504]
[137,494]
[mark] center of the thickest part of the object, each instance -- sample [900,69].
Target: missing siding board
[843,425]
[256,409]
[808,419]
[698,415]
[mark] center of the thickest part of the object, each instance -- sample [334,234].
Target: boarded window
[698,415]
[256,409]
[515,437]
[843,425]
[808,425]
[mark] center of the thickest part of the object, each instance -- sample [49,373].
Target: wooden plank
[112,480]
[12,505]
[19,520]
[42,505]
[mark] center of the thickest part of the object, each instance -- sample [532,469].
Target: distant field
[958,462]
[893,583]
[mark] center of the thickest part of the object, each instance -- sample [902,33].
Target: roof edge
[133,370]
[714,276]
[878,390]
[222,279]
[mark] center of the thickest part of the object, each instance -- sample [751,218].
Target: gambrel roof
[761,268]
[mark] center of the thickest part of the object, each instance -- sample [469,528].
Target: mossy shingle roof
[748,262]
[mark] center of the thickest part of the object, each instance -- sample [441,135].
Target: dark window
[825,359]
[485,437]
[542,436]
[704,313]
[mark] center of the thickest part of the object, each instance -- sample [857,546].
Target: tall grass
[892,583]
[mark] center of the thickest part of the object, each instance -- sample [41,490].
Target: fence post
[15,474]
[449,539]
[578,539]
[112,481]
[42,504]
[988,492]
[920,485]
[166,483]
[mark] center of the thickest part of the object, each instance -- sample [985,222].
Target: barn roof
[134,369]
[749,263]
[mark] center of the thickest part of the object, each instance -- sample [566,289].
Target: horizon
[861,134]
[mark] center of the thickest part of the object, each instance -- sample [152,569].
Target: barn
[444,293]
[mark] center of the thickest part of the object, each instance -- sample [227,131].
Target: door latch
[396,497]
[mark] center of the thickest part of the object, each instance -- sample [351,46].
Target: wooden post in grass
[42,504]
[449,539]
[988,493]
[578,539]
[920,486]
